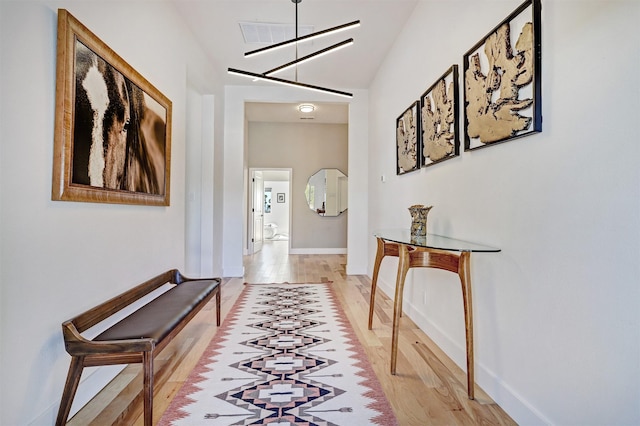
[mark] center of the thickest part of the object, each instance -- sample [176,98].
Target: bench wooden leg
[147,362]
[70,388]
[218,307]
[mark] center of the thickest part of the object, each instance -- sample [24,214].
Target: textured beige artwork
[407,141]
[438,130]
[493,96]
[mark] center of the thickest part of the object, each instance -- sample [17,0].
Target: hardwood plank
[429,389]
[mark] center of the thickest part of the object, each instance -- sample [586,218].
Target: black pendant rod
[296,2]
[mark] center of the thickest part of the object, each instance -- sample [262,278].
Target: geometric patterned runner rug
[285,355]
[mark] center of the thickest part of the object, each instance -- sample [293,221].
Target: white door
[257,211]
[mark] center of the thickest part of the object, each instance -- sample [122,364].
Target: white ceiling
[216,25]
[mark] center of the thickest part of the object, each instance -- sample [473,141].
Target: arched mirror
[326,192]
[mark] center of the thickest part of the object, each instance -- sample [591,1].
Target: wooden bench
[137,338]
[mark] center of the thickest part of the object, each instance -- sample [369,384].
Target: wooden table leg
[385,248]
[420,257]
[374,280]
[464,271]
[403,266]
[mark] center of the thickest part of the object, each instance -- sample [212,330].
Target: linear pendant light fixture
[266,76]
[313,55]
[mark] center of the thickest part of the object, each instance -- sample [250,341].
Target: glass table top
[439,242]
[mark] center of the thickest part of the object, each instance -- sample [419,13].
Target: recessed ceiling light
[306,108]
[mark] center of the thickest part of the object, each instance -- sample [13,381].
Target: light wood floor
[429,388]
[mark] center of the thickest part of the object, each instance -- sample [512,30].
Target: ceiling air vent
[270,33]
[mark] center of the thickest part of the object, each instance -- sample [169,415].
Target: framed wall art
[280,197]
[112,140]
[407,140]
[502,81]
[439,119]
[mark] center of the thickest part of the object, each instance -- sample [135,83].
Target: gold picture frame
[112,141]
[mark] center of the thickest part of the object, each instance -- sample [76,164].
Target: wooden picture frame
[408,140]
[112,141]
[502,81]
[439,119]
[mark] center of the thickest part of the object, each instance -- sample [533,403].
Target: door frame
[252,246]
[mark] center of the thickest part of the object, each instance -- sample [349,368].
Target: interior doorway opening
[270,211]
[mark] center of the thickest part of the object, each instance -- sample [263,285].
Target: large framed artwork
[407,140]
[112,140]
[439,119]
[502,81]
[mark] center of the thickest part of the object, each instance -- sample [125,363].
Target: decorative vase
[419,220]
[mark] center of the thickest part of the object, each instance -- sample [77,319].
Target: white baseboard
[233,272]
[318,251]
[356,270]
[504,395]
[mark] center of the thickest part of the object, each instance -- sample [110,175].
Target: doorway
[270,210]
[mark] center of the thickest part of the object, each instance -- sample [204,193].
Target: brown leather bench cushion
[157,318]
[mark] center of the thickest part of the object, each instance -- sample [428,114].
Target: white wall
[61,258]
[202,245]
[193,209]
[557,311]
[236,168]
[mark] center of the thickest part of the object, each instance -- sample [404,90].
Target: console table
[430,251]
